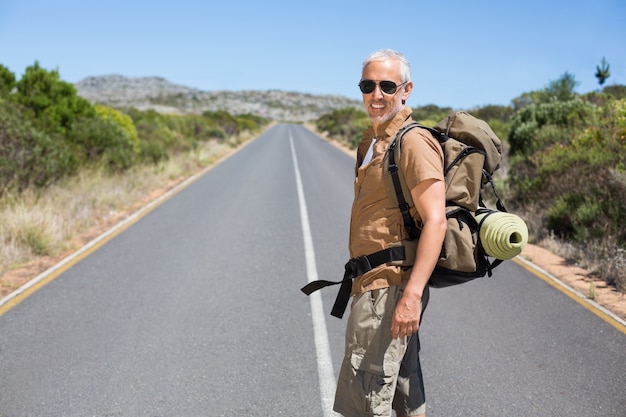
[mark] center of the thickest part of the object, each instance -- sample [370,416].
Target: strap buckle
[359,266]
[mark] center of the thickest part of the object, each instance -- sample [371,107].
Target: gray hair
[384,54]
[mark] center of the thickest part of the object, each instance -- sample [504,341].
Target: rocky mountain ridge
[163,96]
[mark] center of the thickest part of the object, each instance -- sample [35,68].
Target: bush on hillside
[579,186]
[194,128]
[430,114]
[346,125]
[28,156]
[601,144]
[161,134]
[7,81]
[100,140]
[52,104]
[608,94]
[222,124]
[538,126]
[617,91]
[48,132]
[156,140]
[124,121]
[250,122]
[493,112]
[226,121]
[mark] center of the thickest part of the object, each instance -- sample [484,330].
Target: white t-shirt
[369,153]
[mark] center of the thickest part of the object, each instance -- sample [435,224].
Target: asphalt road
[195,310]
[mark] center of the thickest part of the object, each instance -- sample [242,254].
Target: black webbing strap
[409,222]
[355,267]
[487,213]
[489,180]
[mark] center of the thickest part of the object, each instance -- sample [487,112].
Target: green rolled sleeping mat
[503,235]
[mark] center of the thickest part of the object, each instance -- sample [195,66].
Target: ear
[407,91]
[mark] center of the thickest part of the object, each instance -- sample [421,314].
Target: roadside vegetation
[67,166]
[563,168]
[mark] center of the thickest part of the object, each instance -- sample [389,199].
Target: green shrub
[500,128]
[490,113]
[124,121]
[152,152]
[522,135]
[153,129]
[52,103]
[525,136]
[28,156]
[617,91]
[155,133]
[104,141]
[581,185]
[576,216]
[430,114]
[345,124]
[226,121]
[7,81]
[251,122]
[37,238]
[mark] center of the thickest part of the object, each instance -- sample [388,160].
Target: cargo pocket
[375,361]
[376,388]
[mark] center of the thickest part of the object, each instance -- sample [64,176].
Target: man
[381,369]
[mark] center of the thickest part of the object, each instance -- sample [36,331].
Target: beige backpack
[472,152]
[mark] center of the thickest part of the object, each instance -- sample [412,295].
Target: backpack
[472,152]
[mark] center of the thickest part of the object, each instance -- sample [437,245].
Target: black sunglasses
[387,87]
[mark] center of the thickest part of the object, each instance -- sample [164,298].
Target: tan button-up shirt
[376,222]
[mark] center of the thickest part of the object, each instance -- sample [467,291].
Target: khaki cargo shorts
[379,373]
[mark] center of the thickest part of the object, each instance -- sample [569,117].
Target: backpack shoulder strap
[397,189]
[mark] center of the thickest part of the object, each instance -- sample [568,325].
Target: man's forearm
[427,254]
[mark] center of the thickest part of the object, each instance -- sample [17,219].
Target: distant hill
[159,94]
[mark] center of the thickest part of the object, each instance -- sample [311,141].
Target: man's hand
[406,317]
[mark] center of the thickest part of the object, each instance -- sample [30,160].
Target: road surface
[195,310]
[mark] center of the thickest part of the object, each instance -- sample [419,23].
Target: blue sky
[463,53]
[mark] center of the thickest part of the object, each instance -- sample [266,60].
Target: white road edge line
[591,304]
[322,346]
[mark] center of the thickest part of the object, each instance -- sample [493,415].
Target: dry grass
[45,223]
[601,257]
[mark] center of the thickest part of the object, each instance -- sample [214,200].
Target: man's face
[379,105]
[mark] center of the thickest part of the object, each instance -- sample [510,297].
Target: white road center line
[322,347]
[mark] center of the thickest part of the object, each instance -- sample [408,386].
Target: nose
[377,93]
